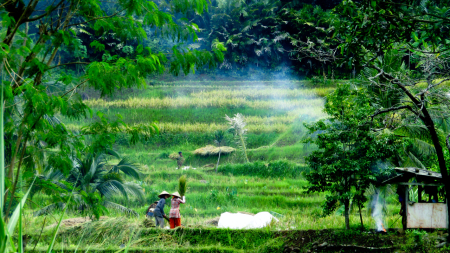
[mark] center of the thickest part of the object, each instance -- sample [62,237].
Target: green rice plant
[182,185]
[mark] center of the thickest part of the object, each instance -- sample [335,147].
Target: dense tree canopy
[349,152]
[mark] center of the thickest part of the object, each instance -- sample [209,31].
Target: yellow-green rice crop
[265,93]
[180,102]
[169,127]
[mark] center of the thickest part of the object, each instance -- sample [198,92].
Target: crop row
[205,115]
[263,93]
[205,103]
[169,127]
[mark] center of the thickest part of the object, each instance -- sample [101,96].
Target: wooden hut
[421,206]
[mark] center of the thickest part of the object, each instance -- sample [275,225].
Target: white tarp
[240,220]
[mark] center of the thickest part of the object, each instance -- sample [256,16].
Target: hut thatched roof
[212,150]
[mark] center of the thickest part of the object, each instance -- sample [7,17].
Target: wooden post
[419,192]
[405,212]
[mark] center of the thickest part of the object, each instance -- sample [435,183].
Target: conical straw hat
[163,193]
[176,194]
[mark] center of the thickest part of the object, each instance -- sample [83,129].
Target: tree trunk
[217,166]
[428,121]
[360,217]
[346,213]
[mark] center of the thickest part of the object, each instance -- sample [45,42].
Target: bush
[280,168]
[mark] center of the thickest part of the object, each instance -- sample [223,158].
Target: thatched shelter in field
[211,150]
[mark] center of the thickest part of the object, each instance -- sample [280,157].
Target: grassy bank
[102,237]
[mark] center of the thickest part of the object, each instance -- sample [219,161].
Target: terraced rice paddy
[202,108]
[187,114]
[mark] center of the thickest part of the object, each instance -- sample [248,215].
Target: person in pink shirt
[174,214]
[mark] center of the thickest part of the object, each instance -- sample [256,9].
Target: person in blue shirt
[159,209]
[151,209]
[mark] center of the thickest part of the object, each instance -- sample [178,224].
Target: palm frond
[414,131]
[49,208]
[123,209]
[113,153]
[127,168]
[112,187]
[134,190]
[423,147]
[415,160]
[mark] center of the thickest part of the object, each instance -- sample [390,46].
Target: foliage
[311,34]
[94,185]
[348,149]
[252,31]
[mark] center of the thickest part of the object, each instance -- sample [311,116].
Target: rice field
[187,114]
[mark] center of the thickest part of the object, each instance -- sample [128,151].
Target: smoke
[377,204]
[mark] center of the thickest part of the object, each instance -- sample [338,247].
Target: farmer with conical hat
[174,214]
[159,209]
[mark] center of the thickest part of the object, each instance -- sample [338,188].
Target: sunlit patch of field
[264,93]
[198,102]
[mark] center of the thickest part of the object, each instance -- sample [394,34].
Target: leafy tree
[34,35]
[417,32]
[310,33]
[252,32]
[348,150]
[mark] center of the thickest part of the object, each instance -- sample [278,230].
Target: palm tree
[95,182]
